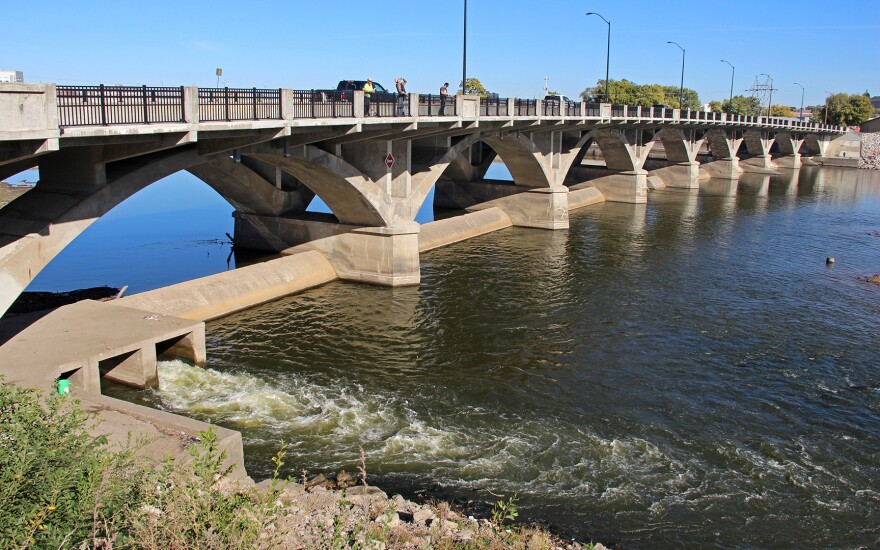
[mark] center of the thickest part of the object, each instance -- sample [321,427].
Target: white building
[11,76]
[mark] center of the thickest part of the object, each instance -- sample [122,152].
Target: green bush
[58,486]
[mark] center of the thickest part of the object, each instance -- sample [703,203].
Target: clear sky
[512,44]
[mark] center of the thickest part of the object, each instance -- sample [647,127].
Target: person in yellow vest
[368,93]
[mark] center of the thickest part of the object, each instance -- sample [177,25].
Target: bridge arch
[64,215]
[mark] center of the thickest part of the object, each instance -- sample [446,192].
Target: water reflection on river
[686,373]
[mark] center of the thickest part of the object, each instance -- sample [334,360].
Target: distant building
[11,76]
[875,101]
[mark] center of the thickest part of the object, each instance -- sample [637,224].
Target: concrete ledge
[584,194]
[218,295]
[161,433]
[87,341]
[452,230]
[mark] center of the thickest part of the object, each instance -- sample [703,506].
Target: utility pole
[681,90]
[464,54]
[802,100]
[733,72]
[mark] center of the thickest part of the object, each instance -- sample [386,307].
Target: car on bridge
[344,91]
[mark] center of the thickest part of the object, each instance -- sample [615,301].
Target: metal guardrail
[114,105]
[437,105]
[386,106]
[493,106]
[525,107]
[227,104]
[321,104]
[109,105]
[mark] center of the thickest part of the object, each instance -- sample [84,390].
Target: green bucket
[63,386]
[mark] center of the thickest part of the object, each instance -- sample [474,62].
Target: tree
[782,111]
[746,106]
[475,87]
[844,110]
[624,92]
[716,106]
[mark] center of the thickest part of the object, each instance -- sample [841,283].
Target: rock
[365,490]
[829,260]
[315,481]
[391,520]
[424,517]
[344,479]
[406,516]
[875,279]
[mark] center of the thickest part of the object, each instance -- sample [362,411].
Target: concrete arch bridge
[269,152]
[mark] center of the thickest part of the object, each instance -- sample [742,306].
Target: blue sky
[512,44]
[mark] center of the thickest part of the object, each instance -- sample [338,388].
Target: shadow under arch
[42,222]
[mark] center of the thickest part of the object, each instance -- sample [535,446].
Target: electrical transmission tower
[763,92]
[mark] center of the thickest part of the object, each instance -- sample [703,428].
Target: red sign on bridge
[389,161]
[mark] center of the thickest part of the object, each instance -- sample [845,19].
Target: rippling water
[688,373]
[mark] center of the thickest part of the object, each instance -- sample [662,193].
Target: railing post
[312,103]
[357,104]
[414,105]
[226,101]
[254,101]
[103,107]
[146,110]
[539,108]
[190,105]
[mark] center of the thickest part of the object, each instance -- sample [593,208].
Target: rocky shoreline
[332,507]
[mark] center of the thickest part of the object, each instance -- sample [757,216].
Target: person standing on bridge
[401,96]
[444,95]
[368,93]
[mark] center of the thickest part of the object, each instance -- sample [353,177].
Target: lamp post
[733,72]
[464,54]
[607,54]
[802,100]
[681,90]
[770,101]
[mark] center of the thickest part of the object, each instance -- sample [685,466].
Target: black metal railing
[552,107]
[572,108]
[226,104]
[436,105]
[525,107]
[321,104]
[593,109]
[632,111]
[106,105]
[618,110]
[386,106]
[493,106]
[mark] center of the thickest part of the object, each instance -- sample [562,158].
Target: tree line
[840,109]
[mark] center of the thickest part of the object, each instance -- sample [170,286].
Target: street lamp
[607,54]
[681,90]
[802,100]
[733,72]
[464,54]
[770,101]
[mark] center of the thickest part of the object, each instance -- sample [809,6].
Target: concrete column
[541,208]
[136,369]
[358,105]
[414,105]
[191,104]
[286,104]
[631,187]
[190,347]
[724,168]
[387,256]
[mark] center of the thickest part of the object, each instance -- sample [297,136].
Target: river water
[686,373]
